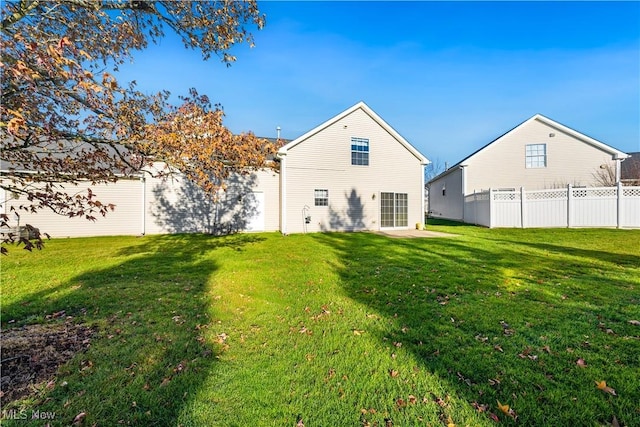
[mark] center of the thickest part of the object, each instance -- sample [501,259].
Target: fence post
[619,204]
[143,181]
[523,208]
[475,208]
[491,207]
[569,205]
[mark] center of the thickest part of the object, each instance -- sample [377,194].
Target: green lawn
[340,329]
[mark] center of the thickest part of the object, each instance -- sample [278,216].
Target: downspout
[618,170]
[423,214]
[463,180]
[143,179]
[283,192]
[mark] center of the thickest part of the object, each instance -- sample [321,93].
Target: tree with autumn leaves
[65,117]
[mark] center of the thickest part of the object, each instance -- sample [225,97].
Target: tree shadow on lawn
[153,347]
[615,259]
[495,321]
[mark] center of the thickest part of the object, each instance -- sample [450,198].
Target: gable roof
[615,153]
[366,109]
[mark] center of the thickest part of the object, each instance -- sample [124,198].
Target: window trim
[533,157]
[321,197]
[360,157]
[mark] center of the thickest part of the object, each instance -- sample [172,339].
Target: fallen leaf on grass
[304,330]
[180,367]
[479,407]
[79,418]
[450,423]
[581,363]
[482,338]
[357,332]
[465,380]
[634,322]
[440,402]
[507,410]
[494,417]
[526,354]
[393,373]
[602,385]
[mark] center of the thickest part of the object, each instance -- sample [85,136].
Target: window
[360,151]
[536,155]
[321,197]
[394,209]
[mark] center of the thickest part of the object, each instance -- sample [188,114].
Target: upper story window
[360,151]
[536,156]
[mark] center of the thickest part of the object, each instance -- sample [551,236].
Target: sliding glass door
[394,210]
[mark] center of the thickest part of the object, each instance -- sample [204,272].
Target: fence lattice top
[631,192]
[594,192]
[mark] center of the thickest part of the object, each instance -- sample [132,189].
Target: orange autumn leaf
[503,408]
[602,385]
[507,410]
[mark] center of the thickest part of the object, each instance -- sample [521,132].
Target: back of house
[352,172]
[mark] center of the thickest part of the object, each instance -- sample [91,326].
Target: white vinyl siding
[445,196]
[158,206]
[125,219]
[501,164]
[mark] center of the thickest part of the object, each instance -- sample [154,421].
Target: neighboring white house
[537,154]
[353,172]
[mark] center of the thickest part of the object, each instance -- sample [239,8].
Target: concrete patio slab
[414,234]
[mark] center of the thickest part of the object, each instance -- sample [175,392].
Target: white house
[352,172]
[537,154]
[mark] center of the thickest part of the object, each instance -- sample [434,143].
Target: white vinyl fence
[566,207]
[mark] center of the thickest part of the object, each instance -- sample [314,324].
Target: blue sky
[448,76]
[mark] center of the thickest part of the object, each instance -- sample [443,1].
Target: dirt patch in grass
[32,354]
